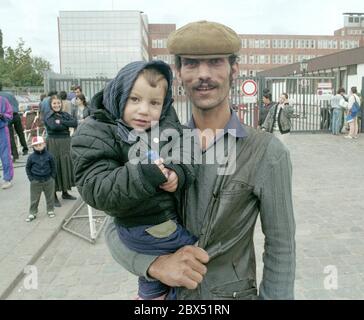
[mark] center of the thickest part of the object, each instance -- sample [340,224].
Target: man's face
[266,100]
[78,92]
[207,81]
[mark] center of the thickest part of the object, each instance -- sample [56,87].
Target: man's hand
[184,268]
[172,183]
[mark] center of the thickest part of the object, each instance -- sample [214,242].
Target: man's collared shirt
[233,127]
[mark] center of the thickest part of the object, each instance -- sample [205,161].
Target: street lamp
[303,69]
[303,66]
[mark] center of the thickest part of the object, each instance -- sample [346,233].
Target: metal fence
[25,91]
[310,113]
[91,86]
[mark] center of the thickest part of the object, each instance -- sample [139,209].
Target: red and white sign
[324,91]
[324,85]
[249,88]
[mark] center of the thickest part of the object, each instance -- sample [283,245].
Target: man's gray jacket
[284,118]
[221,210]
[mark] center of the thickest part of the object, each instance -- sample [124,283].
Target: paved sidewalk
[21,243]
[329,211]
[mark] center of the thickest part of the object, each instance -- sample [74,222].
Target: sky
[35,21]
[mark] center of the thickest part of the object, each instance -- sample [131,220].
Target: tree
[20,69]
[39,66]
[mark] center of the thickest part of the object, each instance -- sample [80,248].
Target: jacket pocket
[240,290]
[235,187]
[234,210]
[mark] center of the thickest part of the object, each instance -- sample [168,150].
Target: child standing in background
[41,171]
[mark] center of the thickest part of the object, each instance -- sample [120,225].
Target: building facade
[99,43]
[262,52]
[158,39]
[347,67]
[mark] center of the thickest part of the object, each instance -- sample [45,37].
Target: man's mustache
[205,84]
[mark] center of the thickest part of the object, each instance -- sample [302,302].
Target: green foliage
[20,69]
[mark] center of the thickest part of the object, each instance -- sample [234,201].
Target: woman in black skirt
[58,124]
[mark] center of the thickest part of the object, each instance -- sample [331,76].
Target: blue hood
[117,91]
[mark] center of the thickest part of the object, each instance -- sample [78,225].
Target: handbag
[355,109]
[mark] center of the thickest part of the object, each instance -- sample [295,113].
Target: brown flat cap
[204,39]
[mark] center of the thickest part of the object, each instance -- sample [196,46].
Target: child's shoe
[31,217]
[51,214]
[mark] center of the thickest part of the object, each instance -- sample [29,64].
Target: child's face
[144,104]
[39,147]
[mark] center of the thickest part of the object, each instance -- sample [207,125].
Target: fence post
[362,105]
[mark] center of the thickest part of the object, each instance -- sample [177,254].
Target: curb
[35,256]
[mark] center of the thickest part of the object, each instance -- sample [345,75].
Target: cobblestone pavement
[329,211]
[20,241]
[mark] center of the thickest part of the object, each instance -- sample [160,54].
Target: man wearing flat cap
[222,209]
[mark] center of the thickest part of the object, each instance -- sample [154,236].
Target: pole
[362,105]
[92,223]
[304,96]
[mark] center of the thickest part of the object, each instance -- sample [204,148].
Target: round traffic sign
[249,88]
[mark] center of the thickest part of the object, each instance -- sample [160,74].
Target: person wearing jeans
[352,118]
[6,114]
[337,104]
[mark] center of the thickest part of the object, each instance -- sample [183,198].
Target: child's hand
[159,163]
[172,183]
[58,121]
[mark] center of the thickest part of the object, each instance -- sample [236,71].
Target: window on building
[159,43]
[243,72]
[166,58]
[351,19]
[180,91]
[243,59]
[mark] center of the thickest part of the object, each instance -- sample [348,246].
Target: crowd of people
[49,168]
[344,114]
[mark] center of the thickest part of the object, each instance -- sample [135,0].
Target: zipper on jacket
[207,230]
[209,221]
